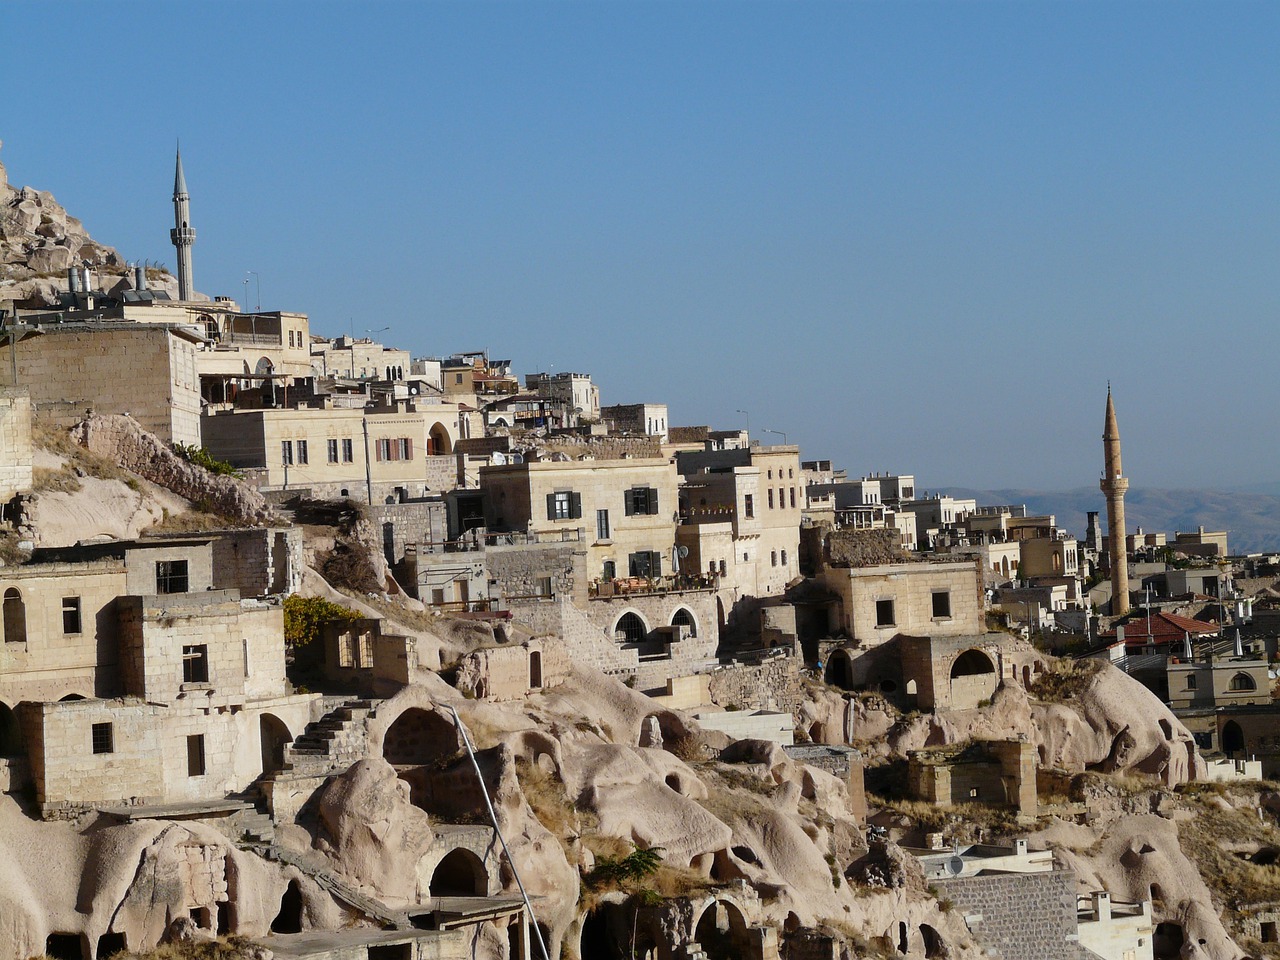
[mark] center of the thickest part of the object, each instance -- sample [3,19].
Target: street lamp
[748,419]
[246,294]
[778,432]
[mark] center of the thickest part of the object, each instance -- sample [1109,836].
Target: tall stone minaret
[182,235]
[1114,485]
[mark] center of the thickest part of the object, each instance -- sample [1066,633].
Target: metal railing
[630,586]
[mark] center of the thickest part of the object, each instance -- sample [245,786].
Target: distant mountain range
[1251,516]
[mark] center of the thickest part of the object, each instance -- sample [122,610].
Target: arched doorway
[839,672]
[933,943]
[273,737]
[684,618]
[289,917]
[10,733]
[460,874]
[15,617]
[419,737]
[722,931]
[973,679]
[438,443]
[1232,738]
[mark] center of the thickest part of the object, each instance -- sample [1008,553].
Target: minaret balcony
[182,235]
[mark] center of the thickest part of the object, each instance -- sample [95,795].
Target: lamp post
[246,294]
[778,432]
[748,420]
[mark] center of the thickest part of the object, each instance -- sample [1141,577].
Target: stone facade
[951,673]
[935,598]
[258,562]
[998,773]
[146,370]
[1019,916]
[15,443]
[773,684]
[509,673]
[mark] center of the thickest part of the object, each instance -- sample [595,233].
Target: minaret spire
[1114,485]
[182,235]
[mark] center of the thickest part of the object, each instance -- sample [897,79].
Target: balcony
[637,586]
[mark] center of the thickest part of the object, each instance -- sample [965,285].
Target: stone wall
[771,685]
[509,673]
[522,570]
[15,443]
[258,562]
[423,522]
[606,448]
[1027,916]
[144,370]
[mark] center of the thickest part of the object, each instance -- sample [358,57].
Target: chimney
[73,280]
[139,277]
[1101,905]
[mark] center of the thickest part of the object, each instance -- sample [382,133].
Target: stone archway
[273,737]
[417,737]
[459,874]
[630,628]
[683,617]
[839,671]
[1232,738]
[721,931]
[438,442]
[973,679]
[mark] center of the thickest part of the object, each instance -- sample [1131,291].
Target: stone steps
[330,744]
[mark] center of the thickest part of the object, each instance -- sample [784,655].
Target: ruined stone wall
[509,673]
[422,522]
[607,448]
[258,562]
[520,570]
[1026,916]
[15,442]
[772,685]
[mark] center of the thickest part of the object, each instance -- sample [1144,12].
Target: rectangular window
[457,378]
[195,755]
[941,604]
[641,501]
[333,451]
[70,614]
[602,524]
[302,451]
[195,664]
[723,567]
[348,451]
[793,498]
[564,505]
[884,613]
[291,338]
[647,563]
[773,558]
[771,498]
[103,740]
[348,650]
[171,576]
[749,506]
[286,451]
[544,587]
[406,448]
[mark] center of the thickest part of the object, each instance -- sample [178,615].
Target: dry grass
[194,522]
[60,480]
[550,802]
[224,948]
[962,819]
[10,555]
[55,439]
[1065,680]
[1209,838]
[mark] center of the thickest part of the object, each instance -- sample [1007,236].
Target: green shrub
[201,457]
[304,617]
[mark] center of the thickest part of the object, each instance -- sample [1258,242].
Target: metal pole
[368,467]
[493,818]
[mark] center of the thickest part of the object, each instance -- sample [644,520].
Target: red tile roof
[1165,628]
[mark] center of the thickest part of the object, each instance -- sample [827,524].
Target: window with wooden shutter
[575,505]
[653,501]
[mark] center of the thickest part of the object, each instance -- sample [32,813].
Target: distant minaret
[182,235]
[1114,485]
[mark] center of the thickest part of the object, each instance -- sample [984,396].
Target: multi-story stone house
[358,359]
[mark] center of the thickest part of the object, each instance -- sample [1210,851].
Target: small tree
[304,617]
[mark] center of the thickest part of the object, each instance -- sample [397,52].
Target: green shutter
[653,502]
[628,502]
[575,505]
[551,506]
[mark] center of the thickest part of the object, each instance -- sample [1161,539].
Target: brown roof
[1165,628]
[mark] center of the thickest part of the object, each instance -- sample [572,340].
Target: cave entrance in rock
[535,669]
[65,946]
[273,737]
[839,672]
[722,932]
[1232,738]
[460,874]
[289,918]
[109,944]
[973,679]
[419,737]
[10,733]
[933,942]
[1168,940]
[599,938]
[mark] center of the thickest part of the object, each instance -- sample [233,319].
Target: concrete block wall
[771,685]
[258,562]
[1029,916]
[15,442]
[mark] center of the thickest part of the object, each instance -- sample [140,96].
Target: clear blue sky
[913,236]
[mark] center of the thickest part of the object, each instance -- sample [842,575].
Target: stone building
[15,442]
[147,370]
[999,773]
[574,390]
[404,450]
[649,419]
[622,511]
[127,676]
[358,359]
[740,511]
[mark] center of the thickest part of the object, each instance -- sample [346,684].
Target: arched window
[1242,681]
[684,618]
[15,617]
[630,628]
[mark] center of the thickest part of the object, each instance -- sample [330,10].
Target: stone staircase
[318,870]
[332,743]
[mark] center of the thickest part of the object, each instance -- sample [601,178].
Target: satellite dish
[954,866]
[413,391]
[683,551]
